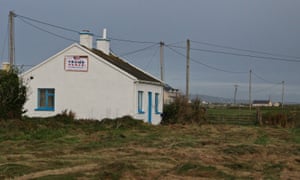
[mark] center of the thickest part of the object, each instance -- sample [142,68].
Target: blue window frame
[140,102]
[157,103]
[46,99]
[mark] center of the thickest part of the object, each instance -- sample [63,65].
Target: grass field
[130,149]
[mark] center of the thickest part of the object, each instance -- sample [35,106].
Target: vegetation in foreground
[61,148]
[12,94]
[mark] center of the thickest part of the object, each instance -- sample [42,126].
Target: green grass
[131,149]
[74,176]
[240,150]
[262,139]
[12,170]
[296,135]
[272,171]
[116,170]
[198,170]
[239,166]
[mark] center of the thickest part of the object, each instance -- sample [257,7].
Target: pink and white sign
[76,63]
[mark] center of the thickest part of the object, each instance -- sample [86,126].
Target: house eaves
[140,75]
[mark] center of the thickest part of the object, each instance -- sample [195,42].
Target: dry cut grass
[55,149]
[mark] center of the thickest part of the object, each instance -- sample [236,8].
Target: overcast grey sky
[271,26]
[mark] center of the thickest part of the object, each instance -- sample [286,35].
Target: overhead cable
[274,57]
[263,79]
[48,24]
[132,41]
[245,50]
[206,65]
[138,50]
[266,88]
[151,59]
[75,31]
[243,55]
[44,30]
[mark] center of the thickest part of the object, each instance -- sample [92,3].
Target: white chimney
[103,44]
[86,39]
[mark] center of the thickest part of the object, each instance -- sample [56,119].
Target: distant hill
[214,99]
[222,100]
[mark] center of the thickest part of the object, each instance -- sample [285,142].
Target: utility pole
[235,91]
[187,68]
[282,95]
[250,100]
[162,60]
[11,38]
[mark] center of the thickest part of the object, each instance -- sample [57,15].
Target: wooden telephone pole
[250,88]
[235,92]
[162,61]
[282,95]
[11,38]
[187,69]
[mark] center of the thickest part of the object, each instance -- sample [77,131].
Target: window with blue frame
[46,99]
[140,102]
[157,103]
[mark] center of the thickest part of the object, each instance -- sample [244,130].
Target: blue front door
[150,107]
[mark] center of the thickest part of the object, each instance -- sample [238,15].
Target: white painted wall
[104,91]
[146,88]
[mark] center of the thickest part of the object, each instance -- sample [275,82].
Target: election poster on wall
[76,63]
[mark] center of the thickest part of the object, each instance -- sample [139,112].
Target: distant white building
[276,104]
[93,83]
[170,94]
[262,103]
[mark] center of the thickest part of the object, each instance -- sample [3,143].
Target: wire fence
[243,116]
[231,119]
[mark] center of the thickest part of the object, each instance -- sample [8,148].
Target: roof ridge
[124,65]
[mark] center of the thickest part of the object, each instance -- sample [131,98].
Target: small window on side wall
[157,103]
[46,99]
[140,102]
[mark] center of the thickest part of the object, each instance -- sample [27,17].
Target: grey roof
[261,102]
[125,66]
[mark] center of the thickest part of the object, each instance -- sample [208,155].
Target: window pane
[51,101]
[156,102]
[50,91]
[140,101]
[42,97]
[46,98]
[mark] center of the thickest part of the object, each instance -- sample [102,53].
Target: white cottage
[93,83]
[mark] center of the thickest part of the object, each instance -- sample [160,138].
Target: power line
[44,30]
[138,50]
[290,59]
[75,31]
[48,24]
[206,65]
[245,50]
[151,59]
[243,55]
[266,88]
[263,79]
[131,41]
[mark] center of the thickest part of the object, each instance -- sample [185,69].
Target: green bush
[184,112]
[12,95]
